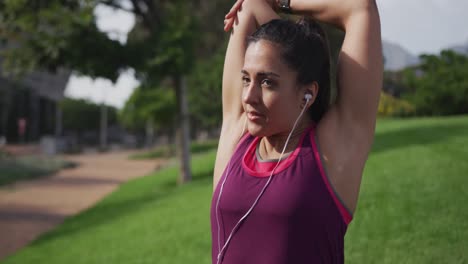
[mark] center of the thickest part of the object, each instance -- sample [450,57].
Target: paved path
[30,208]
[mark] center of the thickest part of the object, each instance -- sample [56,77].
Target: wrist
[261,10]
[283,6]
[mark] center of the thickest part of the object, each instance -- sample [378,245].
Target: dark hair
[304,48]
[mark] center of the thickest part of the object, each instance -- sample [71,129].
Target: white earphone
[221,251]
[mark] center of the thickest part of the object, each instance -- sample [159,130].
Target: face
[271,97]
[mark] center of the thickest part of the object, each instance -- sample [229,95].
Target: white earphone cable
[220,252]
[222,186]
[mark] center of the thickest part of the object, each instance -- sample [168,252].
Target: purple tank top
[298,220]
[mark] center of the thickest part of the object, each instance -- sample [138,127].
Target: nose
[251,94]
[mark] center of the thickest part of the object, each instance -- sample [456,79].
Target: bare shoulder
[231,133]
[344,147]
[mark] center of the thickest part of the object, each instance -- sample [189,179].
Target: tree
[57,33]
[148,108]
[439,85]
[205,101]
[53,34]
[80,115]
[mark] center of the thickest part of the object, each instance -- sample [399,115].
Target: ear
[312,89]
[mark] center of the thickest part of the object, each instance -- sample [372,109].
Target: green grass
[27,167]
[413,201]
[412,208]
[168,151]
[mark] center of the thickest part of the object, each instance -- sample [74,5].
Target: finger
[228,24]
[238,5]
[230,14]
[234,9]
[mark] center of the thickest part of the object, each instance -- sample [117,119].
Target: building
[29,105]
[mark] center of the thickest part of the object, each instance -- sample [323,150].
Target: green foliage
[391,106]
[174,54]
[439,86]
[393,83]
[167,50]
[80,114]
[27,167]
[205,84]
[54,34]
[148,104]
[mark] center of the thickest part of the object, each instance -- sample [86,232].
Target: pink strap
[347,217]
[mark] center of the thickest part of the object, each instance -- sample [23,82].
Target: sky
[420,26]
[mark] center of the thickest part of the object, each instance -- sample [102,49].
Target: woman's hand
[231,16]
[335,12]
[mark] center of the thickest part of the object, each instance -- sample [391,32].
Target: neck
[272,146]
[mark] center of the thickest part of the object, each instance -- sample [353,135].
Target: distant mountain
[396,57]
[462,48]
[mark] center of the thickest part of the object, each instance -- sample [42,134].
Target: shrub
[391,106]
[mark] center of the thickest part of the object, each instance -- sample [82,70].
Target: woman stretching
[289,164]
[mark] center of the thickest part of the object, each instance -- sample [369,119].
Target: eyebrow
[262,73]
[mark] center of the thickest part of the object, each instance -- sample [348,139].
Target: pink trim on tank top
[263,169]
[249,158]
[264,166]
[347,217]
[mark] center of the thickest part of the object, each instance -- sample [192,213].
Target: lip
[254,115]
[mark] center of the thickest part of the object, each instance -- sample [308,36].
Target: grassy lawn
[414,195]
[412,208]
[28,167]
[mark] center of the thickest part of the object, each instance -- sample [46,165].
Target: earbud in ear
[308,96]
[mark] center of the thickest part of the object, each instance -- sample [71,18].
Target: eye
[245,81]
[267,83]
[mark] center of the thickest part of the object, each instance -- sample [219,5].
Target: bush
[439,86]
[391,106]
[28,167]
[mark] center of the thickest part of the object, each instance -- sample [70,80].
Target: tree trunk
[103,128]
[149,133]
[183,132]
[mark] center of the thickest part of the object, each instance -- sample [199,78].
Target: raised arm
[250,14]
[346,131]
[360,74]
[360,64]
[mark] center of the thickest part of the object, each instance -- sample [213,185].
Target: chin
[257,130]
